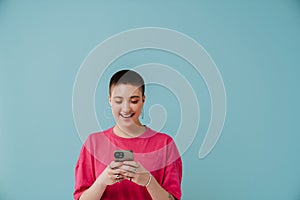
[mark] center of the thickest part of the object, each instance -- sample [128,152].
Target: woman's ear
[144,98]
[109,100]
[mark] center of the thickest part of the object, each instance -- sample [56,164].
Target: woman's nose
[126,107]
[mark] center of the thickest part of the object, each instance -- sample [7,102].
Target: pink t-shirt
[156,151]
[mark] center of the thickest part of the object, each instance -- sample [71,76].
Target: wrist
[149,180]
[100,182]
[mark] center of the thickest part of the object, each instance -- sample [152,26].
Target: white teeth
[127,116]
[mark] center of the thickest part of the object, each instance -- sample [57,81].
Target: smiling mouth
[127,116]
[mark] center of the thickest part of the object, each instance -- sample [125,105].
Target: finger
[116,171]
[129,175]
[114,164]
[130,179]
[128,168]
[131,163]
[118,178]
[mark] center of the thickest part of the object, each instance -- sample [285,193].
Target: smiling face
[126,102]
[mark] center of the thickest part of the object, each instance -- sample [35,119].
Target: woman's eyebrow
[119,97]
[134,97]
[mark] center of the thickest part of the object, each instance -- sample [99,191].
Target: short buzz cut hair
[127,77]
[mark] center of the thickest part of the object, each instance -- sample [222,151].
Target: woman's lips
[127,116]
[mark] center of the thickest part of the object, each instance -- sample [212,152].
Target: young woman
[156,171]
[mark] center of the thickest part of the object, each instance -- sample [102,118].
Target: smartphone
[123,155]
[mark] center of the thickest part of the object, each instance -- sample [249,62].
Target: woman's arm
[137,173]
[94,192]
[109,176]
[156,191]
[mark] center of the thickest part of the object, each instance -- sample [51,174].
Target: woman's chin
[127,123]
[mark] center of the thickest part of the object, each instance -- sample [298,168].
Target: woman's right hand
[111,174]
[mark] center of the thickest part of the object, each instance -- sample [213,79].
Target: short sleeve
[84,176]
[173,171]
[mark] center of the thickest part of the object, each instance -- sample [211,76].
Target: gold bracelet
[150,178]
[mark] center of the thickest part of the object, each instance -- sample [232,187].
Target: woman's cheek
[137,108]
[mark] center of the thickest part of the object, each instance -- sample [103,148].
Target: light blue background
[255,44]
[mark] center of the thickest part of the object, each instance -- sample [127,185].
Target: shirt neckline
[148,133]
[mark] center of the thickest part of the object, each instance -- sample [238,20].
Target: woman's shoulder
[160,135]
[96,135]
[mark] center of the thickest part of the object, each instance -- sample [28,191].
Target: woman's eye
[134,102]
[118,102]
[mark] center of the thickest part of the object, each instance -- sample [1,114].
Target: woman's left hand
[135,172]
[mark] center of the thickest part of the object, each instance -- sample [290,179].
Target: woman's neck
[129,132]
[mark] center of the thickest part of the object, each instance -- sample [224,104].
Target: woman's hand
[111,174]
[135,172]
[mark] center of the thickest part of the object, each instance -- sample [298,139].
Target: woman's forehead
[125,90]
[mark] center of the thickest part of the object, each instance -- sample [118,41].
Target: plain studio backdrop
[255,45]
